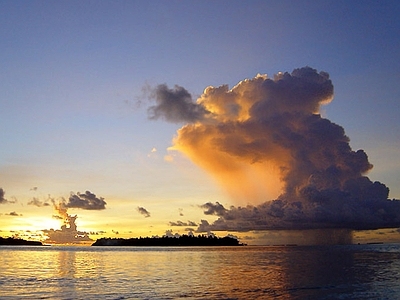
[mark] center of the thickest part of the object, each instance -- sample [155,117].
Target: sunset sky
[137,117]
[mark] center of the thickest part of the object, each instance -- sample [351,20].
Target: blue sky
[74,112]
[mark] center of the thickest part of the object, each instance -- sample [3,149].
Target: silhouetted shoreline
[18,242]
[184,240]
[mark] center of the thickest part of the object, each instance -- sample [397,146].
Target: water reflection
[298,273]
[66,270]
[66,264]
[348,272]
[201,273]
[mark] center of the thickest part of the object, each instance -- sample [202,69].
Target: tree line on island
[18,242]
[183,240]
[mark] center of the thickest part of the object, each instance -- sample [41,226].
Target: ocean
[248,272]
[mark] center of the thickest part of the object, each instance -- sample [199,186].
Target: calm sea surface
[302,272]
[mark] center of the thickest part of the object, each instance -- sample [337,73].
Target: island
[18,242]
[183,240]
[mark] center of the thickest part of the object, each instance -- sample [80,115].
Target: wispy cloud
[37,202]
[180,223]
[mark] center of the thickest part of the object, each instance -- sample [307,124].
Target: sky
[268,120]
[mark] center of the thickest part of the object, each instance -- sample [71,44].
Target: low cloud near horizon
[14,214]
[68,232]
[286,167]
[181,223]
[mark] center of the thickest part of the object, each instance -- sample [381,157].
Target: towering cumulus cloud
[264,139]
[68,234]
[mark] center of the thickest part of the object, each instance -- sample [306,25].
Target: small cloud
[143,211]
[14,214]
[171,155]
[169,233]
[190,231]
[175,105]
[37,202]
[152,153]
[214,209]
[99,232]
[34,188]
[87,201]
[3,200]
[14,200]
[180,223]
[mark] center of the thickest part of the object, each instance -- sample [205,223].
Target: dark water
[302,272]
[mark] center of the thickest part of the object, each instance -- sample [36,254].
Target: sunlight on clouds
[237,140]
[242,181]
[266,143]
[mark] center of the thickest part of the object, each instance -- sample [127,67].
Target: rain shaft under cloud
[264,139]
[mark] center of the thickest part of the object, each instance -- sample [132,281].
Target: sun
[47,223]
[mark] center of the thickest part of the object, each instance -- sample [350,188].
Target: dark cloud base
[334,213]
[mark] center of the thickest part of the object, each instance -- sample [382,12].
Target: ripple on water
[201,273]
